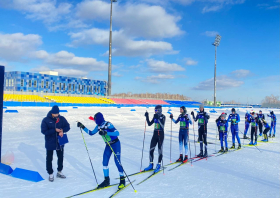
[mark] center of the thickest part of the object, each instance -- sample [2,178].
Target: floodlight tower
[216,44]
[110,52]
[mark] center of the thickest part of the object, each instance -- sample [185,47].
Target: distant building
[51,82]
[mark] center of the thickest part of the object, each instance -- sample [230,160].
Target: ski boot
[205,154]
[239,146]
[251,143]
[150,167]
[222,150]
[260,134]
[255,143]
[157,169]
[273,136]
[180,158]
[200,154]
[105,183]
[233,146]
[122,182]
[226,149]
[51,178]
[245,137]
[269,136]
[185,159]
[60,175]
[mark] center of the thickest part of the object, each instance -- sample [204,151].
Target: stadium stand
[85,100]
[24,98]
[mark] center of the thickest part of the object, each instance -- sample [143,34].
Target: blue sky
[158,45]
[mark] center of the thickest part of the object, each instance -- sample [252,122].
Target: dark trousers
[254,131]
[202,136]
[260,127]
[157,139]
[49,160]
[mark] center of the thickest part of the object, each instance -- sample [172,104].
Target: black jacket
[48,126]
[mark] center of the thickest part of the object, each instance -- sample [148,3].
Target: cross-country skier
[110,136]
[266,129]
[158,137]
[234,119]
[202,117]
[254,124]
[222,125]
[273,123]
[184,120]
[247,125]
[260,117]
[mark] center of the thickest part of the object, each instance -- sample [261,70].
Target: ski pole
[161,152]
[189,146]
[119,162]
[143,146]
[216,140]
[88,156]
[194,139]
[171,141]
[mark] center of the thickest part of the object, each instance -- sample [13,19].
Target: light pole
[216,44]
[110,52]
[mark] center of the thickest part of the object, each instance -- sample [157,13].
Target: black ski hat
[271,112]
[159,109]
[184,109]
[233,110]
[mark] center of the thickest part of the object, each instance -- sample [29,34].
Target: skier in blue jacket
[184,120]
[202,117]
[247,125]
[273,123]
[110,136]
[234,119]
[266,129]
[222,125]
[254,128]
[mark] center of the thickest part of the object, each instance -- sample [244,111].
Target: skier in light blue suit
[234,119]
[110,136]
[184,120]
[273,123]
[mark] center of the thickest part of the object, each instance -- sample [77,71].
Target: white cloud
[155,79]
[271,6]
[210,33]
[116,74]
[15,47]
[223,82]
[241,73]
[62,72]
[48,11]
[190,61]
[211,8]
[122,44]
[137,20]
[161,66]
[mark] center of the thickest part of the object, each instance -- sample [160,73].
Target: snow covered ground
[244,173]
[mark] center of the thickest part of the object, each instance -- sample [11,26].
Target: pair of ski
[96,189]
[229,151]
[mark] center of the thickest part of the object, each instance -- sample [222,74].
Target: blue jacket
[273,117]
[233,118]
[184,120]
[253,121]
[48,126]
[247,117]
[222,126]
[112,132]
[202,117]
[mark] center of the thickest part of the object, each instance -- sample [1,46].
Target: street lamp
[110,52]
[216,44]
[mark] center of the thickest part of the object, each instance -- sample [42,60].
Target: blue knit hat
[55,110]
[99,119]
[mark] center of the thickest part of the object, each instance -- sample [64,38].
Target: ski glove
[192,113]
[171,116]
[146,114]
[80,125]
[102,132]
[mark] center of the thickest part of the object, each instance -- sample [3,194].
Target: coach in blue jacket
[53,126]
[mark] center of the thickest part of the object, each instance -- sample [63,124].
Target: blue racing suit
[273,123]
[112,138]
[247,124]
[234,119]
[184,120]
[223,128]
